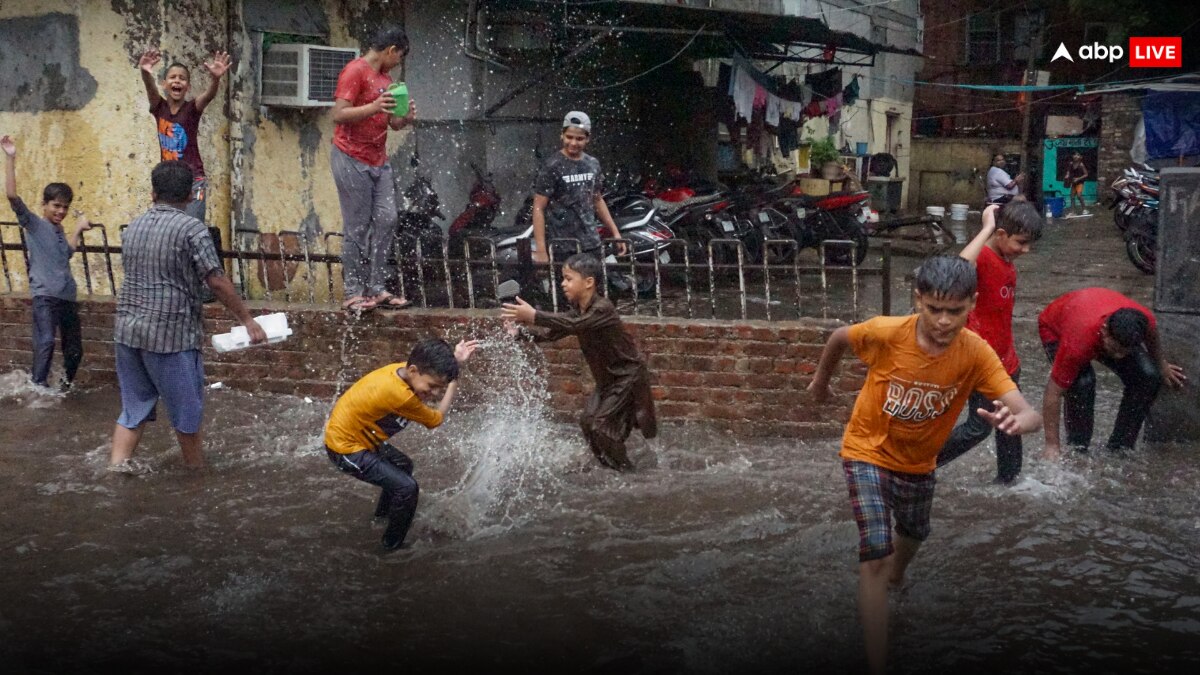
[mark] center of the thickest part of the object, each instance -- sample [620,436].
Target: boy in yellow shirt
[921,370]
[377,407]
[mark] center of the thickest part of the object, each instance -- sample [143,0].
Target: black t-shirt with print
[572,186]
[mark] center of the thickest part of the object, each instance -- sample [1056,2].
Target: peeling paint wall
[78,110]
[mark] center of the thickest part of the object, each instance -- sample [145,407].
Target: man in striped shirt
[167,257]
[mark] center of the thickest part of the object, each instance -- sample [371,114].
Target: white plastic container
[274,325]
[937,211]
[958,211]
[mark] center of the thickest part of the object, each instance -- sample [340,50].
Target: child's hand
[149,60]
[464,349]
[1001,418]
[989,216]
[412,111]
[82,223]
[9,146]
[511,328]
[820,392]
[521,311]
[385,103]
[219,64]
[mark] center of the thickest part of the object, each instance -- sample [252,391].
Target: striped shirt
[166,255]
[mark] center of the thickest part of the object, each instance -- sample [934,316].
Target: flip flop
[358,303]
[391,302]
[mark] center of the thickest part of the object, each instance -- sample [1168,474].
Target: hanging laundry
[789,136]
[850,93]
[813,109]
[760,97]
[744,87]
[825,84]
[725,80]
[772,117]
[806,94]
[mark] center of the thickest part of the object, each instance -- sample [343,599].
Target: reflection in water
[717,555]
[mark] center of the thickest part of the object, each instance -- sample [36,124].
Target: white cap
[578,119]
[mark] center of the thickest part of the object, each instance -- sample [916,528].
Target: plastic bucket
[1055,204]
[399,91]
[958,211]
[860,148]
[938,211]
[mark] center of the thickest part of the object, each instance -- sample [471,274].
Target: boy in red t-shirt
[921,369]
[1007,233]
[1096,324]
[178,119]
[363,111]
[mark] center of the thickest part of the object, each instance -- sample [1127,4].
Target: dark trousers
[51,314]
[610,415]
[392,471]
[1141,379]
[971,432]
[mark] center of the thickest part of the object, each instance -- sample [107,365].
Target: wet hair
[435,357]
[60,191]
[585,265]
[175,64]
[1020,217]
[171,182]
[1128,327]
[390,36]
[947,276]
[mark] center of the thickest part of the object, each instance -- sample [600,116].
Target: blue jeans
[50,314]
[391,470]
[971,432]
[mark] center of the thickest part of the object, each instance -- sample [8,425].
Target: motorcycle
[416,231]
[835,216]
[1141,237]
[636,218]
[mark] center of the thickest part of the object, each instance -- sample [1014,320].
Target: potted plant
[823,158]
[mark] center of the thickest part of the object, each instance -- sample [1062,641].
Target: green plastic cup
[399,91]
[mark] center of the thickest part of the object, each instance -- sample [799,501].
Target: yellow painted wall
[277,159]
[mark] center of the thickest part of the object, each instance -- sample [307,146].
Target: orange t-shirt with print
[911,400]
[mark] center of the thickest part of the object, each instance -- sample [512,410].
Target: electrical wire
[644,72]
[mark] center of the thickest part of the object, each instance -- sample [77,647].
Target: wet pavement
[717,555]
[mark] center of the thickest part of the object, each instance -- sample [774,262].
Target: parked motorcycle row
[758,222]
[1135,211]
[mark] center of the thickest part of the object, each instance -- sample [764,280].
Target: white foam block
[274,325]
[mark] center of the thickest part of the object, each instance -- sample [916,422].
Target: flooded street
[717,555]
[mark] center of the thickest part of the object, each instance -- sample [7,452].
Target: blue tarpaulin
[1172,123]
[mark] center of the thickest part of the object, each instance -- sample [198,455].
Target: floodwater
[717,555]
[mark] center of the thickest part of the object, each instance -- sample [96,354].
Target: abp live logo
[1155,52]
[1144,52]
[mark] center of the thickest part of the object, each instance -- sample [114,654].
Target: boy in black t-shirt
[570,186]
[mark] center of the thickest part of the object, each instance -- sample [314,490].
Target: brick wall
[1120,113]
[746,377]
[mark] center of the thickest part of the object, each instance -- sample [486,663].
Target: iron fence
[723,284]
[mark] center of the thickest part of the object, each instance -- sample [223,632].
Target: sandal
[389,301]
[358,303]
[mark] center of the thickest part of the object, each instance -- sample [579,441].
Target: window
[983,38]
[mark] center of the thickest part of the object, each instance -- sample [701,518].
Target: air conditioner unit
[302,76]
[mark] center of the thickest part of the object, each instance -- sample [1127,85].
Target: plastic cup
[399,91]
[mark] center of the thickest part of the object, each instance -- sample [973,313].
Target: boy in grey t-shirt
[50,280]
[569,186]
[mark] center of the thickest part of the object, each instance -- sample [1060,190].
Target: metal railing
[723,284]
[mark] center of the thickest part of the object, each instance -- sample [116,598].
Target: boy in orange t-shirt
[921,370]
